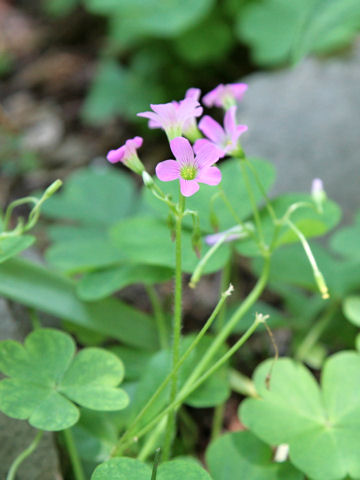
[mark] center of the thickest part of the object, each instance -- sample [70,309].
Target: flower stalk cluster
[197,144]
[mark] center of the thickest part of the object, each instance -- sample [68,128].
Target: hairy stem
[170,427]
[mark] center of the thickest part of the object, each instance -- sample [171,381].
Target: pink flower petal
[210,98]
[240,129]
[210,176]
[167,170]
[181,148]
[238,89]
[230,122]
[115,156]
[193,93]
[207,153]
[188,109]
[137,141]
[151,115]
[212,129]
[188,187]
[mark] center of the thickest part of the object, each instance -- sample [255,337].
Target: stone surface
[16,435]
[307,121]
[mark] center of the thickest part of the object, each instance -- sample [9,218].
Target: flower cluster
[193,164]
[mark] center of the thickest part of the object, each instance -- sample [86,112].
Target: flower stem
[23,455]
[159,316]
[131,431]
[318,276]
[220,409]
[189,388]
[170,427]
[73,455]
[150,443]
[202,366]
[226,331]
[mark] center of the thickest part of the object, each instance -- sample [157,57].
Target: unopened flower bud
[318,193]
[127,155]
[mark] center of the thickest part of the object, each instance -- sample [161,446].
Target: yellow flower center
[188,172]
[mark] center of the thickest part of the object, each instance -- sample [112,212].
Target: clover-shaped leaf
[242,455]
[45,378]
[131,469]
[320,426]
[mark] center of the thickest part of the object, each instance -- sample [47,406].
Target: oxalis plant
[193,217]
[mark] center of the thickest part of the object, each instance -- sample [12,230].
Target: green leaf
[59,8]
[307,220]
[101,283]
[9,247]
[91,380]
[95,435]
[204,43]
[131,469]
[279,31]
[330,25]
[242,455]
[37,287]
[45,368]
[116,89]
[147,241]
[357,342]
[135,361]
[158,18]
[93,197]
[351,309]
[233,185]
[346,242]
[320,426]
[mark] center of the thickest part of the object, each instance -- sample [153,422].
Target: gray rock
[16,435]
[307,122]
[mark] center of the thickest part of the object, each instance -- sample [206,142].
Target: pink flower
[222,140]
[174,117]
[188,169]
[127,155]
[225,95]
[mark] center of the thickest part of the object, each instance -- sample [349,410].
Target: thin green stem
[219,410]
[14,204]
[159,315]
[151,441]
[217,343]
[23,455]
[320,281]
[315,333]
[252,201]
[185,392]
[73,455]
[170,428]
[156,464]
[131,431]
[242,384]
[228,328]
[188,389]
